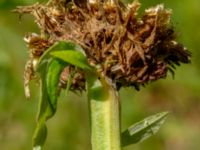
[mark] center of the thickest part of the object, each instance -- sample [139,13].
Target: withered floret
[130,50]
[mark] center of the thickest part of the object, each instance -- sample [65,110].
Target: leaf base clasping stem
[104,109]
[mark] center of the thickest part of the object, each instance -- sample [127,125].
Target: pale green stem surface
[104,113]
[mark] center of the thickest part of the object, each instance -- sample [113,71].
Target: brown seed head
[130,50]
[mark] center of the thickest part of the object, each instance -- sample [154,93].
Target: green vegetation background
[69,129]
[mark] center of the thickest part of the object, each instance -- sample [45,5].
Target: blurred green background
[69,129]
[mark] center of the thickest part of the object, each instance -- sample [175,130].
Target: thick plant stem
[104,113]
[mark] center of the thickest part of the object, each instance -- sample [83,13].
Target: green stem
[104,113]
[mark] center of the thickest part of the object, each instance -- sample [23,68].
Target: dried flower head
[128,49]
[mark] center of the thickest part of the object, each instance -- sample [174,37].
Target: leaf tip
[165,113]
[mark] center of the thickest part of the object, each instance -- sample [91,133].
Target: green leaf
[143,129]
[72,57]
[43,99]
[61,45]
[40,135]
[40,132]
[50,69]
[53,77]
[50,74]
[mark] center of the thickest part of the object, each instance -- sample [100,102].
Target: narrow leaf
[72,57]
[40,134]
[50,69]
[53,77]
[50,75]
[143,129]
[43,99]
